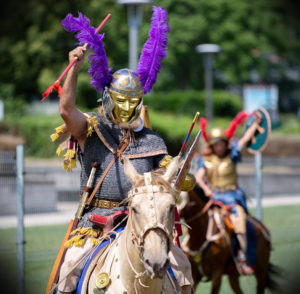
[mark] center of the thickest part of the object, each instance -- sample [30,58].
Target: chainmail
[147,147]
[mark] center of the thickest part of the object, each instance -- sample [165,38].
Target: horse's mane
[157,179]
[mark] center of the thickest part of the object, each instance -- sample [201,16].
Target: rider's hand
[208,192]
[79,53]
[258,117]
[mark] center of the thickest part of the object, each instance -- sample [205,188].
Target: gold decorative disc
[102,280]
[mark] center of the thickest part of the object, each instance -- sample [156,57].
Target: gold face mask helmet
[123,99]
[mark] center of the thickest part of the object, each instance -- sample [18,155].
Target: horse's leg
[216,282]
[263,255]
[261,276]
[235,283]
[197,276]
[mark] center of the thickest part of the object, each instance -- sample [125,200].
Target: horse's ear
[130,171]
[171,169]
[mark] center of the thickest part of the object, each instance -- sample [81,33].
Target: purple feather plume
[99,71]
[154,50]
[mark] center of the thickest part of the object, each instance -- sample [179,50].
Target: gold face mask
[125,106]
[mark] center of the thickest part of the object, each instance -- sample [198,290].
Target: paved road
[66,211]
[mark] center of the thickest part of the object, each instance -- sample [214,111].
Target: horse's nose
[156,269]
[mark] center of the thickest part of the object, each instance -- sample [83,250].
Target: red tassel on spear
[56,85]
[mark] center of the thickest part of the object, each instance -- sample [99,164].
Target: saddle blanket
[100,246]
[251,247]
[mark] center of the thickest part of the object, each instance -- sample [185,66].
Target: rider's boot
[241,258]
[186,290]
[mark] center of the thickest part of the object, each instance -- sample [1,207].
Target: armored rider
[97,137]
[217,176]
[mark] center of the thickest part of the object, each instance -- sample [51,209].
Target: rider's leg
[68,282]
[181,268]
[239,224]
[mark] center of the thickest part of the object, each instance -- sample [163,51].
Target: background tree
[259,39]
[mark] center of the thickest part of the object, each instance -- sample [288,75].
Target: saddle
[107,223]
[224,213]
[222,205]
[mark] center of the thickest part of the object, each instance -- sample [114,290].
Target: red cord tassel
[56,86]
[177,226]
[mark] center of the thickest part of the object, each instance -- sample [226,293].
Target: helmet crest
[217,133]
[153,53]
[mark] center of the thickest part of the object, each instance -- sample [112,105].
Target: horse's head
[152,203]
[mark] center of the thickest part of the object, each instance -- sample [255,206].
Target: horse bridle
[138,239]
[151,190]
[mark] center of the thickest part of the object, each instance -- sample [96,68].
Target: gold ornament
[102,280]
[188,183]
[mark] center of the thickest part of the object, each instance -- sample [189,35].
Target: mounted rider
[217,174]
[116,131]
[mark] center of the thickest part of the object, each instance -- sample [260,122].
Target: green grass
[42,244]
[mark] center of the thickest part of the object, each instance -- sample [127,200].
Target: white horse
[137,260]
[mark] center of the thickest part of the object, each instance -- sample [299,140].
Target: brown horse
[209,248]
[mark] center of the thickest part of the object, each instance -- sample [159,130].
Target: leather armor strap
[123,145]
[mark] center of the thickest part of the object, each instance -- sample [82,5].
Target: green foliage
[239,27]
[290,125]
[188,102]
[34,47]
[14,107]
[172,126]
[36,131]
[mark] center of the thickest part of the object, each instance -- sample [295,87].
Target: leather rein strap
[124,143]
[203,210]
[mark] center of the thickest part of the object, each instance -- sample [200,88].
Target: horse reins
[202,212]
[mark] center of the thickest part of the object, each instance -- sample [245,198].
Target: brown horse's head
[152,203]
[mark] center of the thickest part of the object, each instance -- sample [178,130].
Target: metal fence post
[20,212]
[258,173]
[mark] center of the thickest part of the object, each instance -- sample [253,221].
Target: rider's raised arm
[200,179]
[250,131]
[74,119]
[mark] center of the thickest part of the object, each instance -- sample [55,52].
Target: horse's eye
[134,210]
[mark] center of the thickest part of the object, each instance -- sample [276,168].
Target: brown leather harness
[121,148]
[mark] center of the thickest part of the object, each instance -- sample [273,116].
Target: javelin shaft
[187,161]
[188,134]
